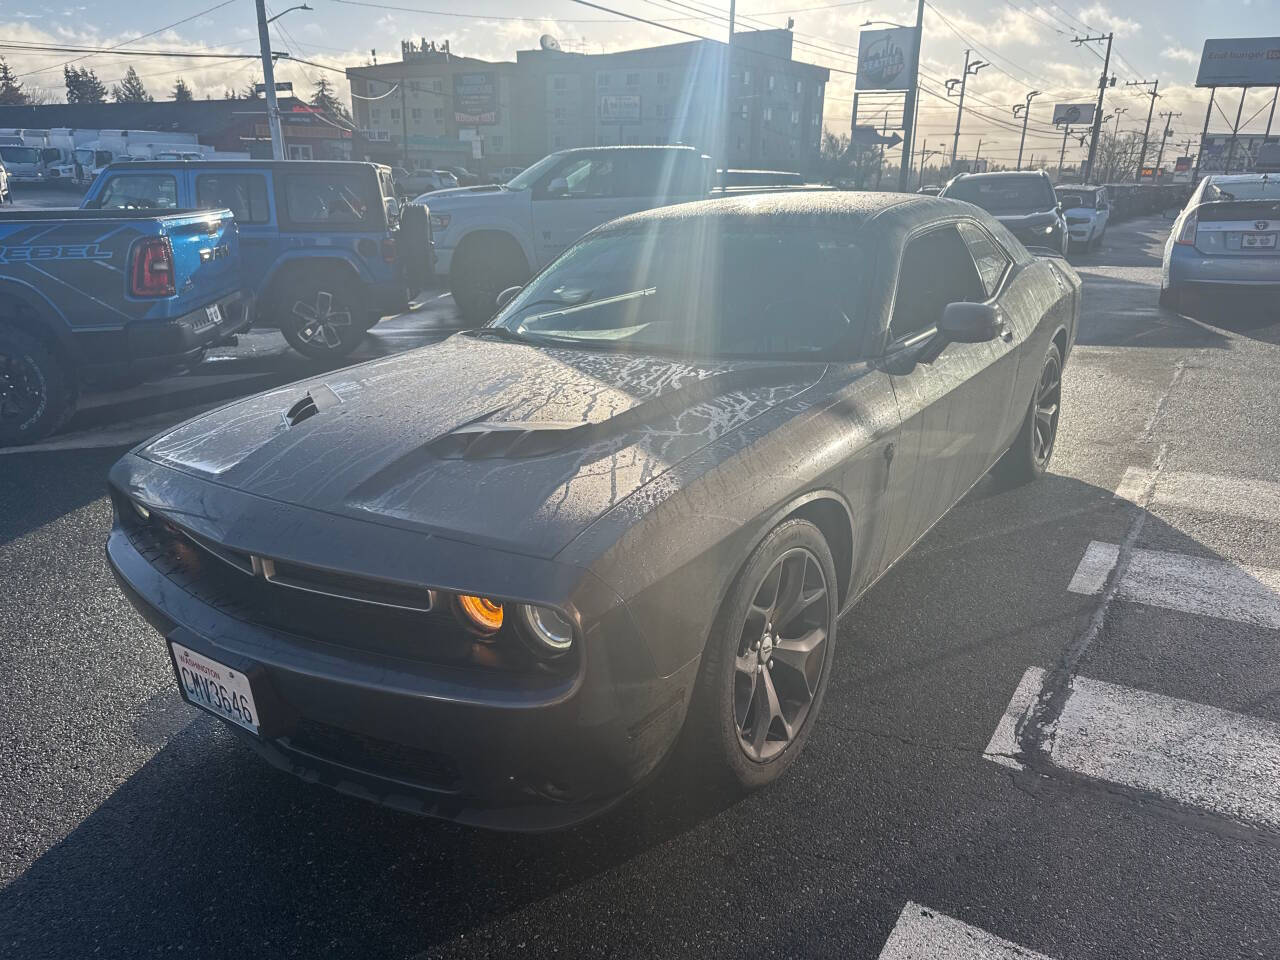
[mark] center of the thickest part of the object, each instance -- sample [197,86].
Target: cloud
[1176,52]
[1099,15]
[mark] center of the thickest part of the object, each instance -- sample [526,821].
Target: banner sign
[475,98]
[884,58]
[620,108]
[1073,114]
[1244,62]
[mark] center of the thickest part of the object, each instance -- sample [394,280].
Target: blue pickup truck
[101,296]
[327,249]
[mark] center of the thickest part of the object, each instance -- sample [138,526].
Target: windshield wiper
[498,333]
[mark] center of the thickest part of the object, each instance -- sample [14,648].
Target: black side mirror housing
[506,296]
[965,322]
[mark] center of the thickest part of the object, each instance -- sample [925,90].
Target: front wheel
[766,666]
[323,318]
[1031,452]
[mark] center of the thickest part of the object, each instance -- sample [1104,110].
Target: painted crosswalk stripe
[1003,747]
[1175,581]
[1202,756]
[924,934]
[1202,493]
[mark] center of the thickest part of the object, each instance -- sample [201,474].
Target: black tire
[1028,458]
[483,269]
[722,733]
[38,390]
[322,317]
[415,246]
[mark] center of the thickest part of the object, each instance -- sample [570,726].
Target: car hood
[490,193]
[1022,221]
[503,444]
[1090,212]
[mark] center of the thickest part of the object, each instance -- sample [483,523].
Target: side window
[244,194]
[646,174]
[936,270]
[317,199]
[584,178]
[992,262]
[136,191]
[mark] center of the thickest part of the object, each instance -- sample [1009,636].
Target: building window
[559,113]
[661,110]
[633,79]
[602,79]
[746,78]
[496,142]
[771,79]
[745,112]
[795,118]
[438,113]
[768,114]
[816,119]
[740,144]
[415,86]
[417,113]
[395,113]
[663,78]
[437,86]
[557,142]
[559,83]
[376,113]
[799,87]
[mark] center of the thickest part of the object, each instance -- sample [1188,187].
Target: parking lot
[1138,816]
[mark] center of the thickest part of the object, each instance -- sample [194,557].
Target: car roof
[790,208]
[1079,186]
[1001,174]
[301,165]
[629,146]
[1240,177]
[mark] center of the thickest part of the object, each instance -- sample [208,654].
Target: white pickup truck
[492,237]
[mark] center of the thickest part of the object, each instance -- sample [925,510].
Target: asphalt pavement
[1053,729]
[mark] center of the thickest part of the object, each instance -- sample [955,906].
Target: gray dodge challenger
[499,579]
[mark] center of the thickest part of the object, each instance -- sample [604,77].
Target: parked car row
[499,579]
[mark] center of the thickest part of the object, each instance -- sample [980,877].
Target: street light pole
[1146,133]
[1025,109]
[969,68]
[269,81]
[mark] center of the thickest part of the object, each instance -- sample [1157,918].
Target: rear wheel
[322,317]
[37,389]
[1031,452]
[767,662]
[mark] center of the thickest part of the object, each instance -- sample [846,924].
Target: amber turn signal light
[480,613]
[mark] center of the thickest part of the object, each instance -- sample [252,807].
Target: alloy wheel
[1048,404]
[324,323]
[21,390]
[780,654]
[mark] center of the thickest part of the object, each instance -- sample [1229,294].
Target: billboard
[620,108]
[884,58]
[1245,62]
[475,98]
[1073,114]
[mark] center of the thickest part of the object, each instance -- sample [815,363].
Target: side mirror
[506,296]
[558,187]
[392,207]
[971,322]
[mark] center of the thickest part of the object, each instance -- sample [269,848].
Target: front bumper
[479,747]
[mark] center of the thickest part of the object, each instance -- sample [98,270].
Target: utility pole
[1025,110]
[909,104]
[1167,116]
[969,69]
[269,81]
[1146,132]
[724,113]
[1103,82]
[1208,112]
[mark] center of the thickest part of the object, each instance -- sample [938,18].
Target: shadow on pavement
[28,500]
[1252,314]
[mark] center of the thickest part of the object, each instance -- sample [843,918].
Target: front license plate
[1255,241]
[214,313]
[215,687]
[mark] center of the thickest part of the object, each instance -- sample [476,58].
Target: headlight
[550,631]
[1050,228]
[481,614]
[439,221]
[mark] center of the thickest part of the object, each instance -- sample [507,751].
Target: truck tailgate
[206,256]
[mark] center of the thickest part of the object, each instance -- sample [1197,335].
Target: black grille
[381,758]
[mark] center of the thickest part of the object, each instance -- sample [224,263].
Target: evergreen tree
[250,92]
[83,86]
[181,92]
[10,87]
[229,94]
[325,100]
[131,89]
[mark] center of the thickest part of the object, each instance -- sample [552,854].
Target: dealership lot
[1053,729]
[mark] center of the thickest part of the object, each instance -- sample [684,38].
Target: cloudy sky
[1027,43]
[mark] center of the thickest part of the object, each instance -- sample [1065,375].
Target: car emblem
[1261,224]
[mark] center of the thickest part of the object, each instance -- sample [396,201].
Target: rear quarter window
[244,194]
[330,200]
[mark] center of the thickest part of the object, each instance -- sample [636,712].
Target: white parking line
[1175,581]
[1194,754]
[1203,492]
[924,934]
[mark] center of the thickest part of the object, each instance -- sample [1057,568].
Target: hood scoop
[317,399]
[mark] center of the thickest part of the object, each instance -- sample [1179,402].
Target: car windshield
[1265,188]
[1075,199]
[531,175]
[1004,194]
[20,154]
[700,287]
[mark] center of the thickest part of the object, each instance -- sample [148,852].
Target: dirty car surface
[493,580]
